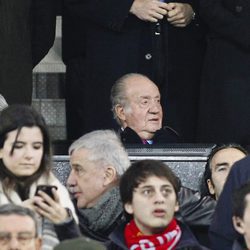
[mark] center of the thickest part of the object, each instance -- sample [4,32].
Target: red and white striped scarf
[167,240]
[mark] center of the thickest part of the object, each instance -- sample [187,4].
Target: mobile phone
[46,189]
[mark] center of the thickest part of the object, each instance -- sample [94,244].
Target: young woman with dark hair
[25,163]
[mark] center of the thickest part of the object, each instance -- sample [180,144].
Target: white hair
[105,147]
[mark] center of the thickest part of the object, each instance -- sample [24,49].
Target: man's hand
[50,208]
[149,10]
[179,14]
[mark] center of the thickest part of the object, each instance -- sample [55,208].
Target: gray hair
[105,147]
[12,209]
[118,93]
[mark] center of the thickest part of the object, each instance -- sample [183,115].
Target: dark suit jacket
[27,30]
[226,77]
[163,136]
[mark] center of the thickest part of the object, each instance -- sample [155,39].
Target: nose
[71,182]
[155,107]
[13,244]
[29,152]
[159,198]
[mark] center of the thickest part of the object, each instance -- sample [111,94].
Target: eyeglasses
[22,238]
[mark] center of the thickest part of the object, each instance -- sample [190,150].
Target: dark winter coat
[27,31]
[222,232]
[187,240]
[162,136]
[239,244]
[225,90]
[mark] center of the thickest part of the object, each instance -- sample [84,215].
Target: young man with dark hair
[241,216]
[149,191]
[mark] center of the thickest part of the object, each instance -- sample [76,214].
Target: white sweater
[48,233]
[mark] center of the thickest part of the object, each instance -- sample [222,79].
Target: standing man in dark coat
[104,40]
[225,92]
[27,32]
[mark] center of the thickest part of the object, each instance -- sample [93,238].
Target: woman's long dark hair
[15,117]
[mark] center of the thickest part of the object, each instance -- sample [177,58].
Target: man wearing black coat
[136,105]
[27,32]
[103,40]
[225,83]
[222,232]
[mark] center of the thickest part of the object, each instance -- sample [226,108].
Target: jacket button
[238,8]
[148,56]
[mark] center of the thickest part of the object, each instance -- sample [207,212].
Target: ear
[210,187]
[238,225]
[110,175]
[1,153]
[38,243]
[128,208]
[119,110]
[177,207]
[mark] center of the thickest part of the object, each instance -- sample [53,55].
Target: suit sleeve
[231,24]
[43,20]
[68,229]
[110,14]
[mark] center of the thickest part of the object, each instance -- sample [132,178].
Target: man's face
[143,112]
[220,165]
[86,179]
[153,205]
[242,225]
[18,233]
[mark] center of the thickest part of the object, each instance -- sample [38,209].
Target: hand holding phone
[52,210]
[46,189]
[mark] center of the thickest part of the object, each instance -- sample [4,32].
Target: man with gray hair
[97,161]
[136,105]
